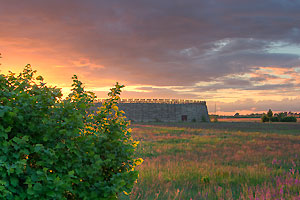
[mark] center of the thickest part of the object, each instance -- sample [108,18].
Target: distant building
[163,110]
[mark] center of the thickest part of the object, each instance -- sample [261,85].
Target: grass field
[239,120]
[218,161]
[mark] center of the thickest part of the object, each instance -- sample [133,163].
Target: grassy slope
[218,160]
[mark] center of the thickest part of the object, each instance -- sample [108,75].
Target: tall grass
[194,163]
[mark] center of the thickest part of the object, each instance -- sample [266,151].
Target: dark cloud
[159,43]
[221,85]
[272,86]
[262,82]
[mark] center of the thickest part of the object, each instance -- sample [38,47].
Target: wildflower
[281,190]
[292,170]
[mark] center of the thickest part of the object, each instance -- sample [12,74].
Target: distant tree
[274,119]
[289,119]
[236,114]
[264,118]
[270,114]
[281,116]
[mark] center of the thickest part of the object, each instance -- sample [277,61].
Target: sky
[240,55]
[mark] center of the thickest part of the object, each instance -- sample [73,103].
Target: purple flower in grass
[293,163]
[281,190]
[292,170]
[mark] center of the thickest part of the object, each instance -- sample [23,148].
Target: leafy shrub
[270,114]
[52,149]
[264,118]
[281,116]
[289,119]
[215,119]
[274,119]
[278,118]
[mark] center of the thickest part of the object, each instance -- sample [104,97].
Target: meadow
[221,160]
[239,120]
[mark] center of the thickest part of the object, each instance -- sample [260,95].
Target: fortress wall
[164,112]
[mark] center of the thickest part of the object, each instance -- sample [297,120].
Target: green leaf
[51,193]
[39,78]
[71,173]
[37,187]
[8,129]
[2,112]
[45,138]
[30,191]
[14,181]
[38,147]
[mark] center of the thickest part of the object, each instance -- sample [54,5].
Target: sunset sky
[243,55]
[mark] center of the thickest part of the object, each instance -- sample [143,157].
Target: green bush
[52,149]
[289,119]
[215,119]
[279,118]
[274,119]
[270,114]
[264,118]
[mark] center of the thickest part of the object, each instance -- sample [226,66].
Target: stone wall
[164,111]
